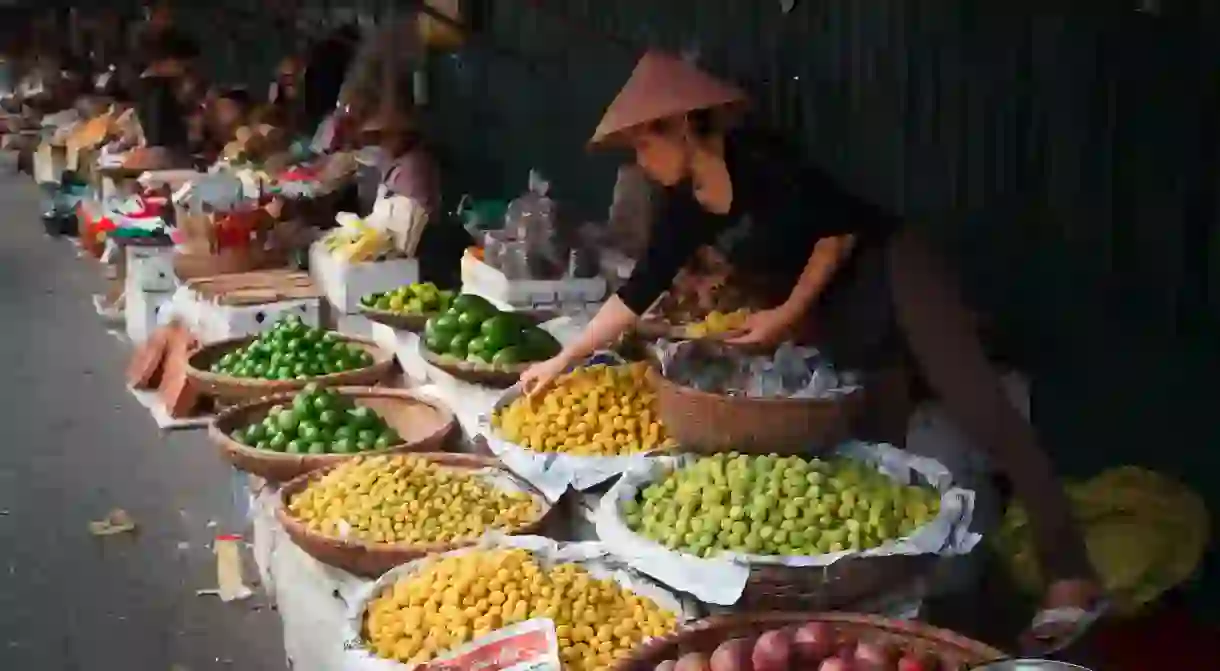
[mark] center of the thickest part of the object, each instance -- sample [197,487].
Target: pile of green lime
[291,350]
[319,421]
[412,299]
[474,330]
[773,505]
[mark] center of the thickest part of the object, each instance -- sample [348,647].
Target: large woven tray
[501,377]
[374,559]
[423,424]
[229,388]
[954,651]
[709,423]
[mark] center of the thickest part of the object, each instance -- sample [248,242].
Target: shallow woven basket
[229,388]
[843,584]
[954,651]
[397,320]
[423,424]
[374,559]
[710,423]
[486,374]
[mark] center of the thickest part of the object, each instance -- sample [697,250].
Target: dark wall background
[1064,155]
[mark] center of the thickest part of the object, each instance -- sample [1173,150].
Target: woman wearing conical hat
[853,281]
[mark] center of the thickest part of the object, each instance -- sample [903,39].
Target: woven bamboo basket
[953,650]
[229,388]
[397,320]
[709,423]
[424,425]
[374,559]
[847,582]
[486,374]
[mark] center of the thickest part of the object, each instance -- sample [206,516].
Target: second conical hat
[660,87]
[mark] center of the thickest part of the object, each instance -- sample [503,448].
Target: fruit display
[412,299]
[813,646]
[716,323]
[474,330]
[593,411]
[456,598]
[319,421]
[359,242]
[771,505]
[291,350]
[411,500]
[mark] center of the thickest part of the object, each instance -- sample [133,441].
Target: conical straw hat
[660,87]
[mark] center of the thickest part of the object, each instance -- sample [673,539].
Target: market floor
[78,445]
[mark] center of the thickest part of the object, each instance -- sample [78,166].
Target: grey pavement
[77,446]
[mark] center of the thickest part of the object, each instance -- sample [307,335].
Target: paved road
[77,445]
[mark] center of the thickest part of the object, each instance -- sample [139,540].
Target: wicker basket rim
[297,484]
[381,359]
[448,419]
[662,381]
[982,652]
[390,313]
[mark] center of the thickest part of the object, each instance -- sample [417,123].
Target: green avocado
[538,345]
[459,345]
[466,302]
[470,320]
[508,356]
[444,324]
[501,331]
[437,342]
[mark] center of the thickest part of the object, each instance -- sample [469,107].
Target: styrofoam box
[140,312]
[150,268]
[220,322]
[344,283]
[488,282]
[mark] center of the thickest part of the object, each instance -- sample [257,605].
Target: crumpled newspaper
[789,372]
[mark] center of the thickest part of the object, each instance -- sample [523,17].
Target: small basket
[229,388]
[500,377]
[711,423]
[844,584]
[397,320]
[953,650]
[423,424]
[374,559]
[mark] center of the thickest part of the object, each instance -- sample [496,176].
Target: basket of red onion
[809,642]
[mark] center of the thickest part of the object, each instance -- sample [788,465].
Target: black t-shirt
[162,117]
[781,208]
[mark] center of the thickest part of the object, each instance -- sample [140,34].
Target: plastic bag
[531,220]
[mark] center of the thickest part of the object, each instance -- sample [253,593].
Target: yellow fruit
[593,411]
[367,497]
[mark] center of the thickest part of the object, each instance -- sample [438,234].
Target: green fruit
[459,345]
[502,330]
[343,446]
[317,448]
[437,343]
[471,320]
[446,324]
[382,443]
[390,436]
[508,356]
[362,418]
[240,436]
[467,302]
[288,421]
[477,345]
[538,345]
[277,442]
[297,447]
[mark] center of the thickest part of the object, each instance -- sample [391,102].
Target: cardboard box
[141,312]
[488,282]
[150,268]
[344,283]
[239,305]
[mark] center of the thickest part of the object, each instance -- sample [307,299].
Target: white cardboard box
[345,283]
[141,310]
[570,293]
[221,322]
[150,268]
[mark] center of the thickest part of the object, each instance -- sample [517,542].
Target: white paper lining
[553,473]
[721,579]
[593,556]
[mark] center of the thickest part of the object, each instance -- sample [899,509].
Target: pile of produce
[359,242]
[770,505]
[413,299]
[293,351]
[717,323]
[1145,534]
[474,330]
[457,598]
[594,411]
[319,421]
[409,499]
[814,646]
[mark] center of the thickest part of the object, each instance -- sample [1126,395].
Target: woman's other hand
[539,377]
[1069,608]
[767,327]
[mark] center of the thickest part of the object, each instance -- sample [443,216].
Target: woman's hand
[538,378]
[1068,609]
[768,327]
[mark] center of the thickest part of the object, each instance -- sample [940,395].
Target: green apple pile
[771,505]
[412,299]
[291,350]
[319,421]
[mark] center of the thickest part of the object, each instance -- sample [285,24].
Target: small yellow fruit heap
[458,598]
[594,411]
[717,323]
[408,499]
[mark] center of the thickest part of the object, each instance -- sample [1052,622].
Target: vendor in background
[168,94]
[225,112]
[853,281]
[283,108]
